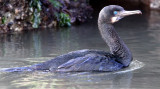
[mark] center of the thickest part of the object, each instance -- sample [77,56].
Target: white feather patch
[114,19]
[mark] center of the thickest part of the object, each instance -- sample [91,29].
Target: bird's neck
[115,43]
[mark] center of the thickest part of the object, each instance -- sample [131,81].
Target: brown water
[141,34]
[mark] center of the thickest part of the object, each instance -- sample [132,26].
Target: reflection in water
[84,80]
[49,81]
[37,45]
[87,82]
[17,45]
[29,48]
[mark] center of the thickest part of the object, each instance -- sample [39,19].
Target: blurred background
[34,31]
[18,15]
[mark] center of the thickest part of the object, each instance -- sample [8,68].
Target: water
[140,33]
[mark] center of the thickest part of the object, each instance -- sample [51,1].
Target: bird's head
[113,13]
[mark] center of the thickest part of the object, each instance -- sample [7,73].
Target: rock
[18,29]
[16,10]
[9,7]
[53,23]
[10,24]
[155,4]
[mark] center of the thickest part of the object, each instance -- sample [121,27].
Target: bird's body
[81,60]
[93,60]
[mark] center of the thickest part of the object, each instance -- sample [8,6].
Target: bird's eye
[115,12]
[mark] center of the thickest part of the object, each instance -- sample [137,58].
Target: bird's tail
[17,69]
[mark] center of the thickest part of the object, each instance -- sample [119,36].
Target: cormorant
[93,60]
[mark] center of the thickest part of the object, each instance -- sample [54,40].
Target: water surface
[140,33]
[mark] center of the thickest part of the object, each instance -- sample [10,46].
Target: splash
[133,66]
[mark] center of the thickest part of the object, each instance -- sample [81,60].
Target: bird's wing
[59,60]
[90,62]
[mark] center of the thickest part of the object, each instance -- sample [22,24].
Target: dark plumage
[93,60]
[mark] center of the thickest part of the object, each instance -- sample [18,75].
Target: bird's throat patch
[114,19]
